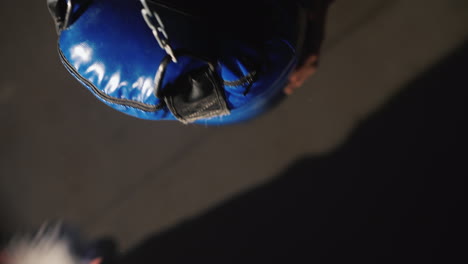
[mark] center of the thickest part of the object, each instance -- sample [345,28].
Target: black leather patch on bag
[196,95]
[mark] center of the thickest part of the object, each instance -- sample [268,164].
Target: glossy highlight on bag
[118,49]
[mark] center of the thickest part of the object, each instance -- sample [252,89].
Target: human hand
[301,74]
[313,40]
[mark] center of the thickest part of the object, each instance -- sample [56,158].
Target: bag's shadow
[395,189]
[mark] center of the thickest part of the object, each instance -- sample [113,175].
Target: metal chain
[67,14]
[156,25]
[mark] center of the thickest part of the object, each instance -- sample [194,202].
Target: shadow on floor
[394,192]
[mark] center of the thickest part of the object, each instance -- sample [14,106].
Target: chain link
[156,25]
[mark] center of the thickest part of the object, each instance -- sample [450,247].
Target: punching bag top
[176,59]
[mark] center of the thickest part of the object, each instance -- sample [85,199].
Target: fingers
[289,89]
[311,61]
[301,74]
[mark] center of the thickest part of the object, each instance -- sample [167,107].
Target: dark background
[365,162]
[394,192]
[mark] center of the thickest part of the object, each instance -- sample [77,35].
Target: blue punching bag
[205,61]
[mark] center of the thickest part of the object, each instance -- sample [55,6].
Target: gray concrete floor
[65,155]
